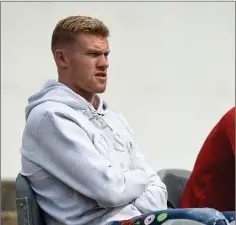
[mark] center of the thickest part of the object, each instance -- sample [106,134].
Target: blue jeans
[181,216]
[230,216]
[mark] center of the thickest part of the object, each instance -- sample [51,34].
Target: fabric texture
[212,182]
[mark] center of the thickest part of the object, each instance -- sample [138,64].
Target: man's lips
[101,75]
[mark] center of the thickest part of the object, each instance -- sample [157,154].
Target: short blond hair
[67,29]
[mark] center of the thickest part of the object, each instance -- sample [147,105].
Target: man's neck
[95,101]
[89,97]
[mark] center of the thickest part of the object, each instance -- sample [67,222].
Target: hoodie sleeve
[68,154]
[155,195]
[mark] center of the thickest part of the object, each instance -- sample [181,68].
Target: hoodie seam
[41,123]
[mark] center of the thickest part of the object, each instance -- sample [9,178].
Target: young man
[212,183]
[79,155]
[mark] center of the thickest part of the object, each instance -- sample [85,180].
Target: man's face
[86,63]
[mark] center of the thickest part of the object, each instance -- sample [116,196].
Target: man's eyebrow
[97,50]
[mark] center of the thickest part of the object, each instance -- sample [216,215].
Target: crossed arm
[155,195]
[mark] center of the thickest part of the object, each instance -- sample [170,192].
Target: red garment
[212,182]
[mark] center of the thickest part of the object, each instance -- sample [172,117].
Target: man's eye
[93,54]
[97,54]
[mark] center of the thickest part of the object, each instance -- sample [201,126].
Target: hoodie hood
[57,92]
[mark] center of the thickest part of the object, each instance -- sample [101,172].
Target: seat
[29,213]
[175,181]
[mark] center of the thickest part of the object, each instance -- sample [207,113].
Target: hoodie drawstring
[92,114]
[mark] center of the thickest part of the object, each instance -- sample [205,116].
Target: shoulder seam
[41,122]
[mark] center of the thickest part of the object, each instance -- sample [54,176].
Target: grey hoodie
[83,163]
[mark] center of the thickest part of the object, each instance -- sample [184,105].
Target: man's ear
[61,58]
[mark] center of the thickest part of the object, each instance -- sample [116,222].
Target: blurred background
[172,74]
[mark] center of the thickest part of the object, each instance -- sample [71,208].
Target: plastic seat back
[29,213]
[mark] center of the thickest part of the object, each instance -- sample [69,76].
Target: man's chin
[101,90]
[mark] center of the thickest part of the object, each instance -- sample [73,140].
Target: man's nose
[103,62]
